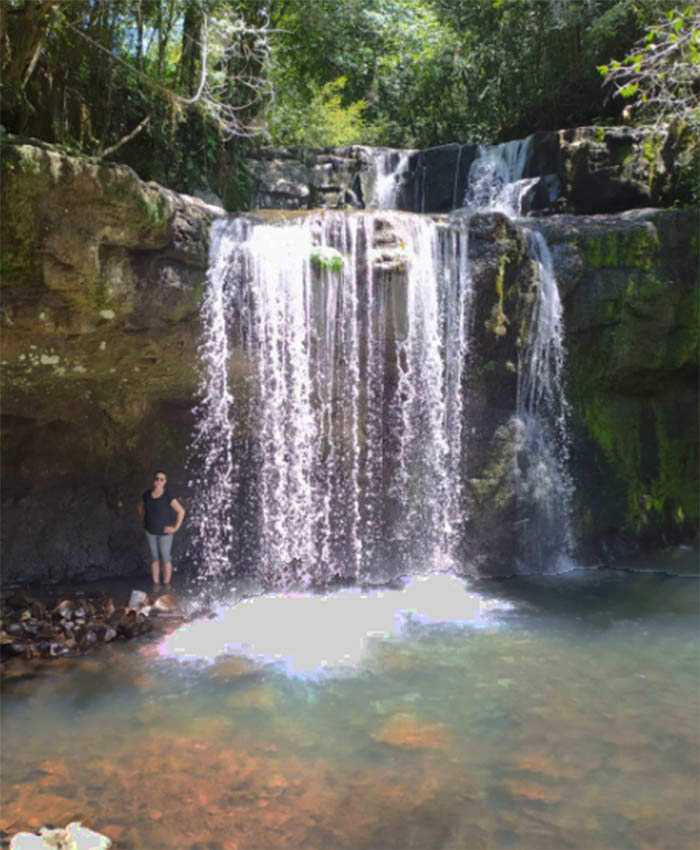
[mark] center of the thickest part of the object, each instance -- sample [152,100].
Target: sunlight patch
[307,633]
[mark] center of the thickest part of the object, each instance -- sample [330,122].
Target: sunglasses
[159,477]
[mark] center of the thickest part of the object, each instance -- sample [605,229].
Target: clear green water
[561,712]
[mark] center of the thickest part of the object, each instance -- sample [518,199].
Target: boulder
[612,169]
[302,178]
[439,178]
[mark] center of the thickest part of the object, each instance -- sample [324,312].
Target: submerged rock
[408,732]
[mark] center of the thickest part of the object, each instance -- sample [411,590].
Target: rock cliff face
[102,278]
[630,286]
[102,281]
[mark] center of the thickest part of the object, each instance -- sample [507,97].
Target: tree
[377,68]
[660,78]
[94,74]
[529,65]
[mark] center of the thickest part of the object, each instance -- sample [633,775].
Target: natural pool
[546,712]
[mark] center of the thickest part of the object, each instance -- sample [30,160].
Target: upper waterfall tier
[586,170]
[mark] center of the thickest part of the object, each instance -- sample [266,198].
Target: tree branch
[125,139]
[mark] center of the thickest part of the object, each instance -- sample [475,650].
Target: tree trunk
[27,41]
[191,46]
[139,36]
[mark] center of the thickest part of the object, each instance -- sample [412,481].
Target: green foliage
[531,64]
[394,58]
[327,259]
[425,72]
[160,84]
[320,119]
[177,88]
[659,77]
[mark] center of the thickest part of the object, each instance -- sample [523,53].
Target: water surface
[529,713]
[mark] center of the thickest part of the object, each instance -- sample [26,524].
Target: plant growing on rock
[328,259]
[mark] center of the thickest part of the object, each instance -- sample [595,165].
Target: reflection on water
[556,712]
[312,633]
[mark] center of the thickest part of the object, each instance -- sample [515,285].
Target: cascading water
[339,345]
[495,180]
[354,403]
[544,484]
[390,167]
[211,446]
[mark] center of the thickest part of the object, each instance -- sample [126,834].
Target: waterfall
[544,485]
[354,402]
[211,458]
[495,177]
[339,345]
[390,167]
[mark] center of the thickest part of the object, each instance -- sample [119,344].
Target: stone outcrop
[630,285]
[102,277]
[612,169]
[302,178]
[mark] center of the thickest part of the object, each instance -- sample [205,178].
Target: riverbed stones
[73,627]
[406,731]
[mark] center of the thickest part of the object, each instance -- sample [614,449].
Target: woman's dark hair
[160,472]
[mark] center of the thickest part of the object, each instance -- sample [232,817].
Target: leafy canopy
[661,76]
[180,89]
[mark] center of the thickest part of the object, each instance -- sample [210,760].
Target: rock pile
[32,629]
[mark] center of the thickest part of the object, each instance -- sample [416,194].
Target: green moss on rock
[189,305]
[22,180]
[654,463]
[635,248]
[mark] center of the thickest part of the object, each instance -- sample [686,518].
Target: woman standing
[157,507]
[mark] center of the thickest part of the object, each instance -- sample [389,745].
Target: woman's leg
[165,544]
[153,548]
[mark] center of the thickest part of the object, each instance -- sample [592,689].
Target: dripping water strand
[544,483]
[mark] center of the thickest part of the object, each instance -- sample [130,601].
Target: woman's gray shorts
[160,545]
